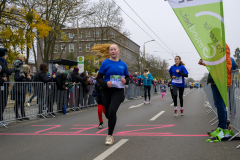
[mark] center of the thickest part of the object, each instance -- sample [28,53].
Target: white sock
[175,108]
[181,108]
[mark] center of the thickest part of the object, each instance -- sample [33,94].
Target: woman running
[147,83]
[178,72]
[116,76]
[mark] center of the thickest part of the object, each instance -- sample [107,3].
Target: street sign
[81,64]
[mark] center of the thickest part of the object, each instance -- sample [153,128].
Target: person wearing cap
[6,72]
[147,83]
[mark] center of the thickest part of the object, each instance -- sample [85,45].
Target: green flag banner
[204,23]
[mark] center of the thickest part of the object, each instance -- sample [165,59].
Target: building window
[88,34]
[80,35]
[63,48]
[80,47]
[71,35]
[71,48]
[96,34]
[88,48]
[55,48]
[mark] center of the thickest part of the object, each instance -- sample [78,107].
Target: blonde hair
[58,71]
[181,62]
[103,51]
[26,68]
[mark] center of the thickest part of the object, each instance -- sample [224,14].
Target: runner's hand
[4,78]
[54,76]
[123,80]
[200,62]
[109,84]
[146,77]
[173,77]
[177,71]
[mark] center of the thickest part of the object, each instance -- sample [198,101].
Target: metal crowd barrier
[233,109]
[133,91]
[22,100]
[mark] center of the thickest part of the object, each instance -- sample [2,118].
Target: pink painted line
[143,129]
[74,134]
[45,125]
[171,125]
[86,125]
[102,130]
[87,129]
[48,129]
[78,128]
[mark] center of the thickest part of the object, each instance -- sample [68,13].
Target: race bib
[177,80]
[116,81]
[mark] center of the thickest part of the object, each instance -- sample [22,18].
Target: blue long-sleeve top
[147,82]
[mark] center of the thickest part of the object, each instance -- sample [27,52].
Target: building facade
[88,37]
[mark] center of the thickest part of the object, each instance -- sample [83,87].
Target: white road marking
[111,150]
[139,105]
[155,117]
[172,104]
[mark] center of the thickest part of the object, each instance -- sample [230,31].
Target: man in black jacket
[4,74]
[78,80]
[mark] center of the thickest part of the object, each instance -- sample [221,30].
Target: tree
[189,80]
[106,15]
[237,56]
[89,63]
[59,13]
[19,28]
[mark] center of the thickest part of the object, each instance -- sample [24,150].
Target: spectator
[62,86]
[55,69]
[218,100]
[41,76]
[6,72]
[75,77]
[19,92]
[58,72]
[85,87]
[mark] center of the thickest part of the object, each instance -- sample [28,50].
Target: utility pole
[144,51]
[77,39]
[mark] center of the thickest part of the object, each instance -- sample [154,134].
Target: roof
[63,62]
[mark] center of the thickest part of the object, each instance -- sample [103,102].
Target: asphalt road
[143,132]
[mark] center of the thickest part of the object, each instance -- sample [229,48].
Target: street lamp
[144,49]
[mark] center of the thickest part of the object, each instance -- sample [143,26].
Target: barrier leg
[209,111]
[234,136]
[238,146]
[214,118]
[214,122]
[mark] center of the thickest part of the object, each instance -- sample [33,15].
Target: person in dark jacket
[6,72]
[171,89]
[79,81]
[19,92]
[41,76]
[101,108]
[62,86]
[85,87]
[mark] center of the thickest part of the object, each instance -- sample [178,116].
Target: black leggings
[112,98]
[181,90]
[145,92]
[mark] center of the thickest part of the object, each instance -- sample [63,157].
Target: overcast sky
[160,17]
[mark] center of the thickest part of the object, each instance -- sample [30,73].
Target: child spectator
[18,63]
